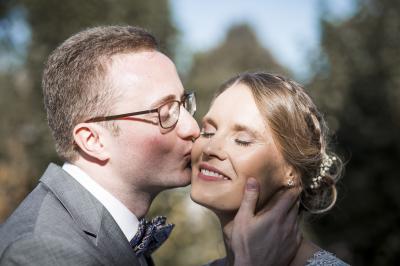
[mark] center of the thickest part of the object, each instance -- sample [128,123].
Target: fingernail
[251,184]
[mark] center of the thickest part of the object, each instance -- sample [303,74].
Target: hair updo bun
[320,194]
[300,132]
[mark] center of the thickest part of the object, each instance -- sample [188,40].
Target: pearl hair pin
[326,164]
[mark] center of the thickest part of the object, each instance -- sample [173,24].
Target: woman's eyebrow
[252,131]
[208,120]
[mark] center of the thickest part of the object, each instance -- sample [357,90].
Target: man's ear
[90,139]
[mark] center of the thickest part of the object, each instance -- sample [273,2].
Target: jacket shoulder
[39,213]
[45,249]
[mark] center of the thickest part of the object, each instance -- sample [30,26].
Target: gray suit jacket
[61,223]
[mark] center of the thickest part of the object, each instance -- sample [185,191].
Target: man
[123,124]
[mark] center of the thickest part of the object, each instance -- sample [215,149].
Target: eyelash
[206,134]
[242,143]
[239,142]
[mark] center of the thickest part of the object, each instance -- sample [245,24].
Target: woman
[264,126]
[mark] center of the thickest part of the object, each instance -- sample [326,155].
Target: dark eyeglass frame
[187,95]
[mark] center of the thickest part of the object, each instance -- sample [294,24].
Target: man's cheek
[160,144]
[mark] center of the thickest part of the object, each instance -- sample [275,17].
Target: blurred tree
[358,83]
[196,239]
[240,51]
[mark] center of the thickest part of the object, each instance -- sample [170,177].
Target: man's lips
[210,173]
[187,157]
[188,152]
[187,160]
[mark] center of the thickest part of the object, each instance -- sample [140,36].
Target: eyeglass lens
[190,103]
[169,114]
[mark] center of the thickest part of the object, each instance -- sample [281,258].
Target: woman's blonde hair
[299,131]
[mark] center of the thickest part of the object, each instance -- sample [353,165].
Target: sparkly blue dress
[320,258]
[323,257]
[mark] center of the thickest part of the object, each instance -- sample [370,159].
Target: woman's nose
[215,148]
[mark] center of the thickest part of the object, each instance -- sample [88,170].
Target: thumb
[250,197]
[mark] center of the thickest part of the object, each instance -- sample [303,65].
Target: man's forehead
[149,99]
[139,58]
[145,65]
[147,76]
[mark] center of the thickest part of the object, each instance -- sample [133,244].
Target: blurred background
[346,52]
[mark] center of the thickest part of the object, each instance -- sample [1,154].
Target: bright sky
[289,28]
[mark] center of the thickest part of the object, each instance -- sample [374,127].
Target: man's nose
[187,127]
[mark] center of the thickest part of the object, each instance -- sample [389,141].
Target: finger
[292,227]
[249,201]
[299,237]
[281,201]
[295,237]
[287,200]
[292,220]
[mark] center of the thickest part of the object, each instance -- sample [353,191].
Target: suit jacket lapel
[109,239]
[90,215]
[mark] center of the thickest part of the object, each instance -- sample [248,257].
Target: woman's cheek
[265,170]
[196,150]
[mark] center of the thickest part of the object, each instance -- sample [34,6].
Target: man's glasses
[168,112]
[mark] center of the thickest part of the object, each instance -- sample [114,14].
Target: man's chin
[186,176]
[183,181]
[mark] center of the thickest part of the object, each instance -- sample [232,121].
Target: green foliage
[196,238]
[358,84]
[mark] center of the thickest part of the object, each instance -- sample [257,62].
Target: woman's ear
[90,139]
[292,176]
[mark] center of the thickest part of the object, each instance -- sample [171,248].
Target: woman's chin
[217,206]
[197,199]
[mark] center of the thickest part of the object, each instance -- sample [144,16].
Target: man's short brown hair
[74,82]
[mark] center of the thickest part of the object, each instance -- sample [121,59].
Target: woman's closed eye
[243,138]
[243,142]
[206,134]
[207,130]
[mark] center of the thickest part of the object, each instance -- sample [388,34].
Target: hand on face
[270,237]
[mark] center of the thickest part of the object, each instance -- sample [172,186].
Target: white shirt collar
[125,219]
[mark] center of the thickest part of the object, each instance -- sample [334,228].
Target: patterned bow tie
[151,235]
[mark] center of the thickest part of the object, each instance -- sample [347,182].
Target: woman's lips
[209,173]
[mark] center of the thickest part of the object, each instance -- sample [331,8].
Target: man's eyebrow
[164,99]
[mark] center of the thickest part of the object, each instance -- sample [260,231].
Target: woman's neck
[305,251]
